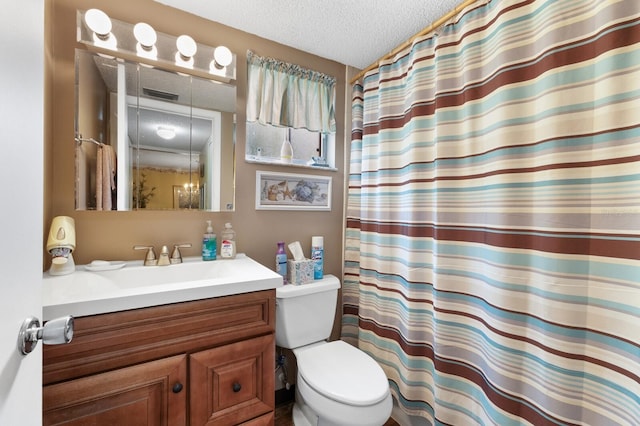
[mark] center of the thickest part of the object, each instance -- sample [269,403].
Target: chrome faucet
[176,256]
[150,258]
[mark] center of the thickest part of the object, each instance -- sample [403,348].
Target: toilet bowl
[337,384]
[342,383]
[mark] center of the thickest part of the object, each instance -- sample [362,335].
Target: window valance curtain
[284,94]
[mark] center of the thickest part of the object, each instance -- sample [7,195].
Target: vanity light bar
[140,42]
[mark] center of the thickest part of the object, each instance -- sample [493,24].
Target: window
[264,144]
[290,104]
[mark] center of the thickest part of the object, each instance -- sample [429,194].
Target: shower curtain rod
[425,31]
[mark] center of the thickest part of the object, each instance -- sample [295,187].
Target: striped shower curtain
[493,223]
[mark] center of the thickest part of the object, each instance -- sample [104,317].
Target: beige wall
[111,235]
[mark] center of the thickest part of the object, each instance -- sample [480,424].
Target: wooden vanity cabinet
[205,362]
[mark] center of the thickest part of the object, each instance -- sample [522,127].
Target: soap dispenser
[209,246]
[228,242]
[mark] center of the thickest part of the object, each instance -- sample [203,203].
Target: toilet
[337,384]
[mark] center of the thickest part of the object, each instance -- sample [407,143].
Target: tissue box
[299,271]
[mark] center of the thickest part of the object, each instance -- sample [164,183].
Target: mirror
[152,139]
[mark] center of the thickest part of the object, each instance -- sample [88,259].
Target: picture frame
[290,191]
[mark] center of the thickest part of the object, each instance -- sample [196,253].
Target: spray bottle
[281,261]
[317,254]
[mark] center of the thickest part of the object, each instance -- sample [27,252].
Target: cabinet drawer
[110,341]
[233,383]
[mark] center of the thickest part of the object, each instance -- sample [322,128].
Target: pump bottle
[209,246]
[228,242]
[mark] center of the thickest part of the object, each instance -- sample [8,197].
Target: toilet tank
[305,313]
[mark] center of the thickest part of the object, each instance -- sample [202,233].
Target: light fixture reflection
[166,133]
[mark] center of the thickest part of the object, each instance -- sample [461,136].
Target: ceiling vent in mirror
[167,96]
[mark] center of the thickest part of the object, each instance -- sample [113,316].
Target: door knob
[55,332]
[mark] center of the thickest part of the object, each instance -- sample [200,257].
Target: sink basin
[134,286]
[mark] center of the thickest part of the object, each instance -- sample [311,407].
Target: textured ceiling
[352,32]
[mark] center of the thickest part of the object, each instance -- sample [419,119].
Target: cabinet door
[152,393]
[233,383]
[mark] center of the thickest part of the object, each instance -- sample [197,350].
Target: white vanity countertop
[135,286]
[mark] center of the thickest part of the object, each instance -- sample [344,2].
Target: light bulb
[186,46]
[145,34]
[222,56]
[98,22]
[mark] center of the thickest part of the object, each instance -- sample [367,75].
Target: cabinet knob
[177,387]
[236,387]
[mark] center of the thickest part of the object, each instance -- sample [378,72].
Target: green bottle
[209,246]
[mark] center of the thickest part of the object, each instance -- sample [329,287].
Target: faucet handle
[150,258]
[176,256]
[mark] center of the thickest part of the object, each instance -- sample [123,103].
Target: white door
[21,205]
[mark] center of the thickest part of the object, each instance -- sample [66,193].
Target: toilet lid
[343,373]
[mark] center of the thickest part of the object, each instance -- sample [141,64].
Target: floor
[283,416]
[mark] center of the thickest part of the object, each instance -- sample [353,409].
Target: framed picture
[287,191]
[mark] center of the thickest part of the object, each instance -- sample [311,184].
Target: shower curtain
[493,223]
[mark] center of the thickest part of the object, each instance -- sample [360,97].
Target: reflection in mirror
[151,139]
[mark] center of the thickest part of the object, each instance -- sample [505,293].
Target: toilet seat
[342,373]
